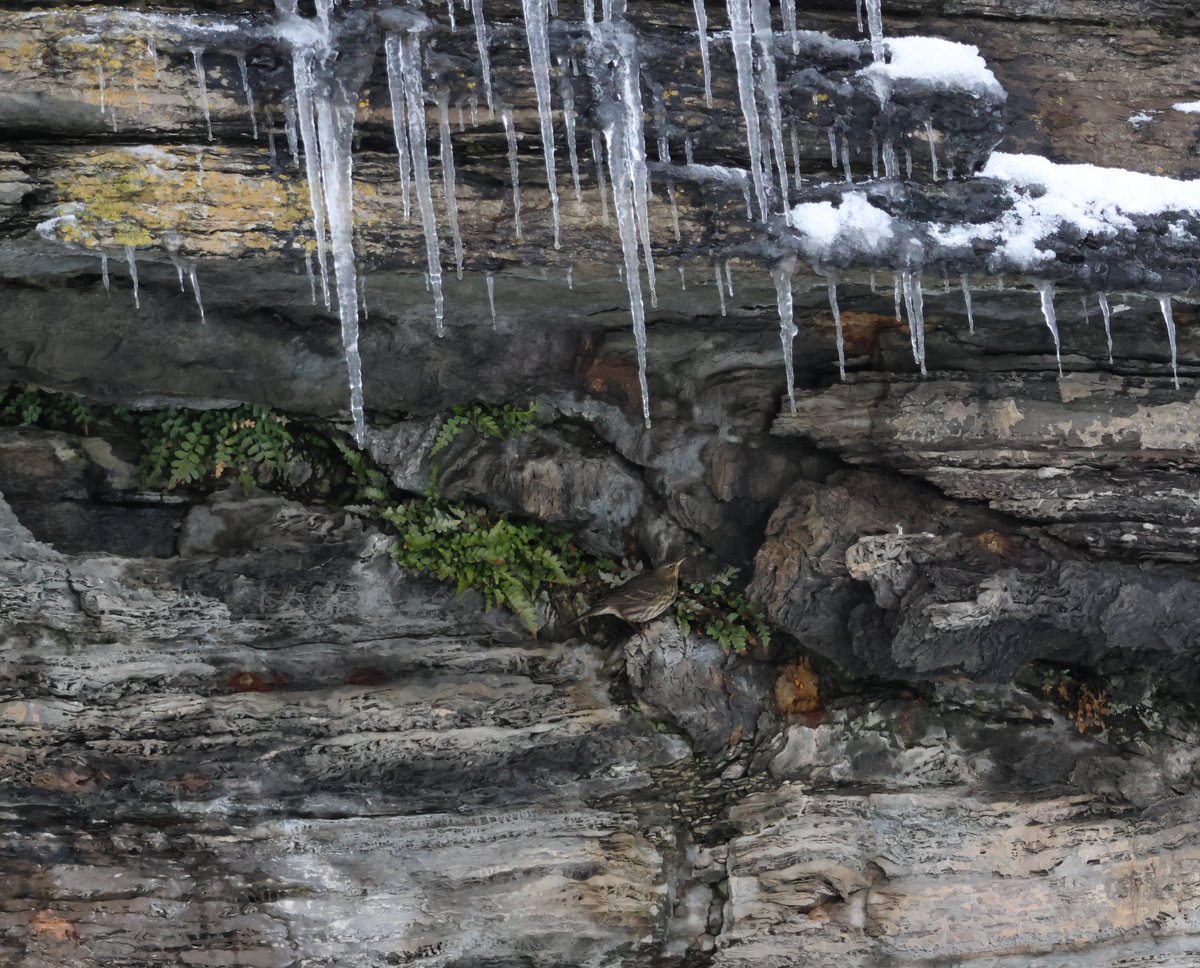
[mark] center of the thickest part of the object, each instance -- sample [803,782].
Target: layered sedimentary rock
[234,732]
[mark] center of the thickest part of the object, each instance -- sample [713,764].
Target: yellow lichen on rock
[200,201]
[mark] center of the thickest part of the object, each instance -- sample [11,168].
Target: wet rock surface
[233,732]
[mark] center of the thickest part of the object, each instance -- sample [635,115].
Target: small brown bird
[642,598]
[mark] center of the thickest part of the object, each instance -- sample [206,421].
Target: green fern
[501,422]
[30,406]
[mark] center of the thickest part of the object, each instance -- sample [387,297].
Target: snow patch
[1187,107]
[855,226]
[936,64]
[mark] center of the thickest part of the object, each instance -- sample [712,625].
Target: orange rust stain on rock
[611,378]
[994,542]
[253,682]
[860,331]
[797,690]
[70,779]
[50,925]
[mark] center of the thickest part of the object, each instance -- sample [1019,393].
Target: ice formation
[782,274]
[1106,312]
[702,35]
[131,259]
[837,326]
[241,63]
[536,29]
[1046,291]
[447,156]
[194,280]
[856,226]
[966,291]
[514,171]
[743,56]
[1164,303]
[201,83]
[485,62]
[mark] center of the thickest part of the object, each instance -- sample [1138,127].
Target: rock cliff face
[233,732]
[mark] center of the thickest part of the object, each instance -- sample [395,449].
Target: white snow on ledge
[1047,196]
[937,64]
[1187,107]
[855,226]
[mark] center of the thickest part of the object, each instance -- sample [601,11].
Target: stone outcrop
[233,732]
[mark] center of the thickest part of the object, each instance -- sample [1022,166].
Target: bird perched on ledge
[642,598]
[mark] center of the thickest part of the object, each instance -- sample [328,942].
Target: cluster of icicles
[320,119]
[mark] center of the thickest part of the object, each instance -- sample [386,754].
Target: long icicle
[1164,303]
[1106,312]
[513,170]
[743,56]
[131,259]
[702,34]
[567,92]
[1046,291]
[198,60]
[335,131]
[837,325]
[399,123]
[966,291]
[536,32]
[305,83]
[447,155]
[782,274]
[485,62]
[241,63]
[764,34]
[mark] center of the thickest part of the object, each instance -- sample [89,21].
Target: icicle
[874,157]
[589,13]
[1106,312]
[198,59]
[553,8]
[932,149]
[536,32]
[702,34]
[897,294]
[782,274]
[399,121]
[720,286]
[462,123]
[571,277]
[178,270]
[152,53]
[846,160]
[491,293]
[241,62]
[1087,316]
[514,171]
[891,168]
[1046,290]
[131,258]
[796,152]
[100,78]
[1164,303]
[837,326]
[272,157]
[447,154]
[945,279]
[485,63]
[362,296]
[302,69]
[473,105]
[743,55]
[196,292]
[760,14]
[915,302]
[312,280]
[966,291]
[833,152]
[407,55]
[689,151]
[787,9]
[289,129]
[104,270]
[858,14]
[682,280]
[729,279]
[450,11]
[335,133]
[875,26]
[908,164]
[600,183]
[674,209]
[567,92]
[626,224]
[872,282]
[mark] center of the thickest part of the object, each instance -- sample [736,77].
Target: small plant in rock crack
[180,447]
[721,612]
[507,562]
[491,420]
[31,406]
